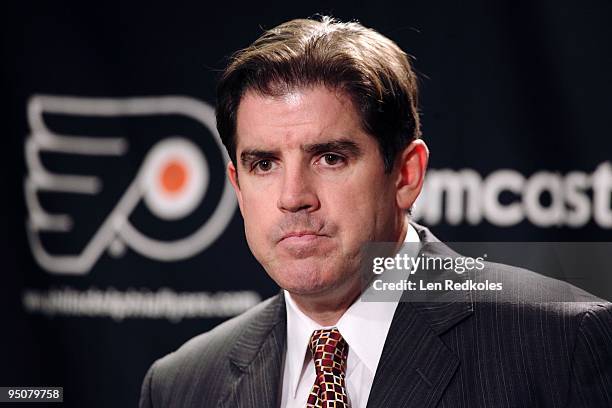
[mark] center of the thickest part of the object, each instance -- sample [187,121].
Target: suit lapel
[256,360]
[416,366]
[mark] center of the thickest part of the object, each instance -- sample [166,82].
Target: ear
[232,174]
[411,166]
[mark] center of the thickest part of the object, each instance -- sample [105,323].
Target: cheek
[365,192]
[353,207]
[257,216]
[257,198]
[358,206]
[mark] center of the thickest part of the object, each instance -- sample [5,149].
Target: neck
[327,309]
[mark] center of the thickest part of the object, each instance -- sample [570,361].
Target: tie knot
[329,350]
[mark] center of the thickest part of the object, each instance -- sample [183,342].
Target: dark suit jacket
[462,352]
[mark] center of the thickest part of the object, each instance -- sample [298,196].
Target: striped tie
[329,351]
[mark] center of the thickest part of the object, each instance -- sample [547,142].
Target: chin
[307,278]
[299,277]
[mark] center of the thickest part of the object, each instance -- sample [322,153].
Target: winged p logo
[171,179]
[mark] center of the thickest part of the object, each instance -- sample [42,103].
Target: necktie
[329,351]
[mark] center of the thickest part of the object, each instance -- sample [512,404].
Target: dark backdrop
[515,106]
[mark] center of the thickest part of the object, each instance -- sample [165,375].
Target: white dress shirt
[364,326]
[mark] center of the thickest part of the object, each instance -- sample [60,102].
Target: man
[321,124]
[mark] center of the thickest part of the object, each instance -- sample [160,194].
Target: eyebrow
[344,146]
[250,155]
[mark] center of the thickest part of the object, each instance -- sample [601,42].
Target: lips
[301,234]
[300,240]
[302,244]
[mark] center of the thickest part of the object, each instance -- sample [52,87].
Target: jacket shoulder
[520,286]
[218,341]
[200,364]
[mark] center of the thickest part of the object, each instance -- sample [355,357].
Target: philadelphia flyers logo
[172,181]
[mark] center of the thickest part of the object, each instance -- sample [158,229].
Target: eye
[263,166]
[332,159]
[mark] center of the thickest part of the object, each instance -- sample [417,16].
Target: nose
[298,192]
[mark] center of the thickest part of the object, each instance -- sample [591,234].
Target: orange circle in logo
[173,177]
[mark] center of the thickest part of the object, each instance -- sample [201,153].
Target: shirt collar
[373,318]
[299,330]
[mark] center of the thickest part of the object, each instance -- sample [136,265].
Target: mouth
[300,235]
[302,243]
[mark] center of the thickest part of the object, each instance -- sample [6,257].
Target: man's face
[311,188]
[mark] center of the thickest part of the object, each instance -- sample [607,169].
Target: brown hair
[300,53]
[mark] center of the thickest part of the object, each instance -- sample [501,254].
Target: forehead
[300,116]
